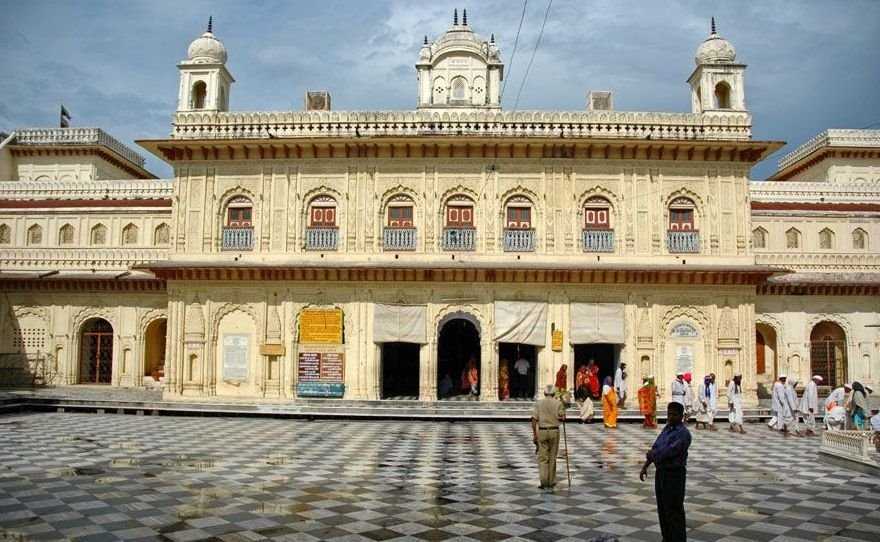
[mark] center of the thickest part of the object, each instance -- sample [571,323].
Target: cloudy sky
[812,65]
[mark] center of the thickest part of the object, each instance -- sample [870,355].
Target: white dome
[207,49]
[715,50]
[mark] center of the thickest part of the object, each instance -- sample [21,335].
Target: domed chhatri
[715,50]
[206,49]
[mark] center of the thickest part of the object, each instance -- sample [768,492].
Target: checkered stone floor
[96,477]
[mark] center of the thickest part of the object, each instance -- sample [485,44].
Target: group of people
[586,385]
[468,382]
[704,404]
[516,383]
[845,407]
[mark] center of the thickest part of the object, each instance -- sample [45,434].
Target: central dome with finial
[459,36]
[715,50]
[206,49]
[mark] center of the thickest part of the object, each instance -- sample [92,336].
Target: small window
[859,239]
[35,235]
[460,216]
[239,213]
[459,89]
[162,234]
[5,234]
[722,96]
[322,213]
[130,235]
[681,215]
[199,94]
[65,235]
[597,214]
[792,238]
[759,238]
[99,235]
[400,216]
[519,218]
[826,239]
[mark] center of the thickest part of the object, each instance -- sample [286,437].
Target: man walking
[620,385]
[781,406]
[810,404]
[679,389]
[546,416]
[521,377]
[669,455]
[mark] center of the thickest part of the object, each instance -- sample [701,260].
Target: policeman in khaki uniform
[546,416]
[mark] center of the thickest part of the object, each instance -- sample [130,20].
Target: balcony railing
[683,241]
[459,238]
[399,239]
[322,238]
[238,239]
[519,240]
[598,240]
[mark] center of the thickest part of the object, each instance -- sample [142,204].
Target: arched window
[859,239]
[759,238]
[98,235]
[792,238]
[400,212]
[5,234]
[162,234]
[322,212]
[199,95]
[439,92]
[826,238]
[722,96]
[597,214]
[459,89]
[65,235]
[681,215]
[130,235]
[35,235]
[239,213]
[518,213]
[459,212]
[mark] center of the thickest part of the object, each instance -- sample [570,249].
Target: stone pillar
[428,371]
[488,368]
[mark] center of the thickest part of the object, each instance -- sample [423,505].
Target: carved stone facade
[456,212]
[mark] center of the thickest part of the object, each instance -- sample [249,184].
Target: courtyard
[108,477]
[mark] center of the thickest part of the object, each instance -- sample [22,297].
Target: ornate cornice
[815,192]
[78,258]
[485,123]
[869,262]
[76,136]
[832,138]
[158,189]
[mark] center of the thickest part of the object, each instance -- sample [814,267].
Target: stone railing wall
[76,136]
[832,138]
[598,240]
[516,240]
[322,238]
[399,239]
[814,192]
[824,261]
[86,190]
[459,239]
[597,124]
[854,445]
[683,241]
[78,258]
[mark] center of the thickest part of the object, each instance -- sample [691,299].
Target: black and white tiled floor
[107,477]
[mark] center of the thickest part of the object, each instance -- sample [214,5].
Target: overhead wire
[515,44]
[534,51]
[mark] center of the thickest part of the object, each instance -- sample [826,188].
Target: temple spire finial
[455,17]
[713,25]
[211,24]
[492,38]
[426,40]
[464,17]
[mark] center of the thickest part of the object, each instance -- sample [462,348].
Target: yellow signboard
[556,345]
[320,326]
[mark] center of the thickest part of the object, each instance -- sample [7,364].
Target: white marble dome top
[207,49]
[715,50]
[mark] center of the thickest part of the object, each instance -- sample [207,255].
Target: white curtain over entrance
[523,322]
[593,323]
[399,323]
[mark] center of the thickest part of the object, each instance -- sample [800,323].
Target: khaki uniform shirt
[548,411]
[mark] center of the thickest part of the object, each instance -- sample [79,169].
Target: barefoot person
[648,402]
[609,404]
[735,405]
[810,404]
[546,416]
[669,456]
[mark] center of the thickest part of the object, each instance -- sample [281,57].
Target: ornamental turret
[717,83]
[204,80]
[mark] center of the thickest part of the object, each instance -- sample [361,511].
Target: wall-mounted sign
[320,326]
[236,352]
[728,351]
[684,359]
[320,374]
[272,349]
[556,343]
[684,330]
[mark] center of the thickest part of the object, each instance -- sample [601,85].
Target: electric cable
[515,44]
[534,51]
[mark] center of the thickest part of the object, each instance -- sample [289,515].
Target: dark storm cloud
[812,64]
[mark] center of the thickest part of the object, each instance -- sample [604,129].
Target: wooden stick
[565,443]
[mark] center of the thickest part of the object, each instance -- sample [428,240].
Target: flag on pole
[65,117]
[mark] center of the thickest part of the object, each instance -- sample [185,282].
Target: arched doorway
[154,348]
[766,353]
[457,346]
[828,353]
[96,352]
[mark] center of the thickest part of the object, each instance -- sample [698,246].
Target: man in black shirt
[669,455]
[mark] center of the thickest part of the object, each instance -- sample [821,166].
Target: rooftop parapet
[76,136]
[832,138]
[87,190]
[734,126]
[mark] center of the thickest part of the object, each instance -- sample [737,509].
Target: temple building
[405,254]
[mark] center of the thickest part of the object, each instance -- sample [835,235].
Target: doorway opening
[154,348]
[828,353]
[521,361]
[96,352]
[458,360]
[400,371]
[605,357]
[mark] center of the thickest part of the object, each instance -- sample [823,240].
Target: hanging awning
[523,322]
[593,323]
[399,323]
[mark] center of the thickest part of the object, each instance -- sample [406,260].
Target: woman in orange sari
[648,402]
[503,381]
[609,403]
[473,376]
